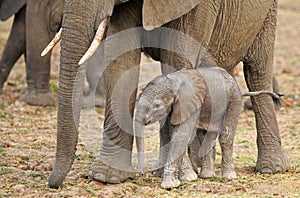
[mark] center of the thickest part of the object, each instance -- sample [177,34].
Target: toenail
[99,177]
[115,180]
[278,169]
[266,171]
[91,174]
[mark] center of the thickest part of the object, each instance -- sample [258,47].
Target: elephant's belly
[211,121]
[235,29]
[203,125]
[206,122]
[204,117]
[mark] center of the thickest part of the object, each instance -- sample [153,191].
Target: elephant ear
[9,8]
[158,12]
[188,100]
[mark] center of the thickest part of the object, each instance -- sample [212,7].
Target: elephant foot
[170,181]
[107,174]
[92,100]
[187,175]
[272,163]
[186,171]
[35,98]
[158,169]
[207,173]
[158,172]
[228,174]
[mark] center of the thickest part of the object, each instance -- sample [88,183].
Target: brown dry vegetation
[28,137]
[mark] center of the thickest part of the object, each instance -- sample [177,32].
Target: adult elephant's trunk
[79,22]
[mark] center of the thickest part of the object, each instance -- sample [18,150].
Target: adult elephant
[35,24]
[232,31]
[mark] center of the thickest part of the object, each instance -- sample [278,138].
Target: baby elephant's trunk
[139,128]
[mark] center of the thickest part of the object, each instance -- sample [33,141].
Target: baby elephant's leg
[170,175]
[194,150]
[174,159]
[186,171]
[208,160]
[181,137]
[226,140]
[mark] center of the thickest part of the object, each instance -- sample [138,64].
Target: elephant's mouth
[96,41]
[93,47]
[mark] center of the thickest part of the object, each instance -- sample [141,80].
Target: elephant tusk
[96,42]
[52,44]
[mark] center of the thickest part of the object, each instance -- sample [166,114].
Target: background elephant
[192,100]
[231,31]
[94,91]
[35,24]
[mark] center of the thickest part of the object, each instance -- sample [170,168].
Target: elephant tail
[275,96]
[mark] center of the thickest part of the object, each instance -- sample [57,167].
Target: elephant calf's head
[155,103]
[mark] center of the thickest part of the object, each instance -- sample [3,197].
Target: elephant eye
[156,105]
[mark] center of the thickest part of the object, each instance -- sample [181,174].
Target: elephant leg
[165,138]
[248,104]
[100,93]
[275,85]
[226,138]
[193,153]
[206,162]
[95,93]
[258,69]
[181,136]
[186,171]
[14,47]
[194,149]
[42,22]
[114,163]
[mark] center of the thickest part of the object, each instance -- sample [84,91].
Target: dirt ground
[28,137]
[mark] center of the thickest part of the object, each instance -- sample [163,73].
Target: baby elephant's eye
[156,105]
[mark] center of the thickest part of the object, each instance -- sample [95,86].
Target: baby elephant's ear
[187,101]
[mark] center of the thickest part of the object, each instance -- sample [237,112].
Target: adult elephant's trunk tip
[57,177]
[54,181]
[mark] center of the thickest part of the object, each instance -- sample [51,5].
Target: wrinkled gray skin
[232,31]
[192,102]
[35,24]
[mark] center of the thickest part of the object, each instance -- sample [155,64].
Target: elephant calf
[206,98]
